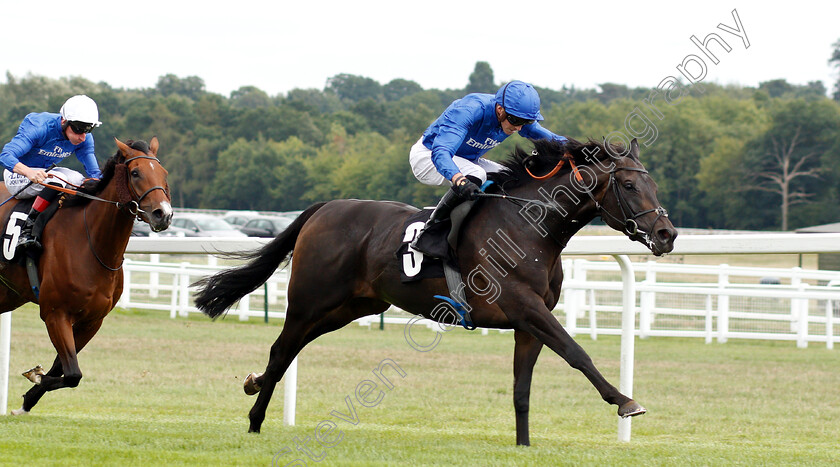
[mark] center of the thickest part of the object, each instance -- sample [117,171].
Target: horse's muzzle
[663,240]
[159,218]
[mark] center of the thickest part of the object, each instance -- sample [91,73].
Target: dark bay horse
[344,266]
[80,267]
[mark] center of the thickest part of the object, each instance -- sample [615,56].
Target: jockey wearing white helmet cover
[44,139]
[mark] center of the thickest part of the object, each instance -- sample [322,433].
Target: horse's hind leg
[296,334]
[81,335]
[525,355]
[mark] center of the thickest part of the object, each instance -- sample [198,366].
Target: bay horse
[344,266]
[80,266]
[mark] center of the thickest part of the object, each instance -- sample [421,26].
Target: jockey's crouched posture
[44,139]
[450,149]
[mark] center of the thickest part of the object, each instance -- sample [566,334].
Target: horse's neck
[108,226]
[571,208]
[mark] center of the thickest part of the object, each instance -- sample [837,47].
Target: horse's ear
[634,149]
[124,149]
[154,145]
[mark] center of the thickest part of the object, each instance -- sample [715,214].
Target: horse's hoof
[34,374]
[250,385]
[631,409]
[20,411]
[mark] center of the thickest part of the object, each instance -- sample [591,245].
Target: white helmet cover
[81,108]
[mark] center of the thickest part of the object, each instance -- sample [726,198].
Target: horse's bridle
[631,227]
[133,206]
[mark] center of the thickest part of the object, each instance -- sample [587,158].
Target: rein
[566,157]
[132,206]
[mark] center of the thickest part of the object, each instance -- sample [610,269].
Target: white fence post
[593,322]
[580,294]
[173,300]
[647,301]
[829,324]
[290,394]
[154,277]
[723,304]
[795,281]
[184,290]
[628,335]
[803,312]
[244,307]
[5,351]
[125,298]
[709,320]
[574,300]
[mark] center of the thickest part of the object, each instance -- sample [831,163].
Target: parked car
[142,229]
[290,214]
[239,218]
[205,225]
[266,226]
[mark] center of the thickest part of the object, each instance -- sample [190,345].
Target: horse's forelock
[141,146]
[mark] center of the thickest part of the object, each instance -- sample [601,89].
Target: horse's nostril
[666,234]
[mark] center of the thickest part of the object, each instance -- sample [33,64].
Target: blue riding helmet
[520,99]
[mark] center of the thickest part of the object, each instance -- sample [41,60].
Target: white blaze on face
[167,208]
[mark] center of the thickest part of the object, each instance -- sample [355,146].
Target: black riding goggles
[81,128]
[518,121]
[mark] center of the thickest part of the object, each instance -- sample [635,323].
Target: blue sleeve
[455,124]
[87,157]
[535,131]
[27,137]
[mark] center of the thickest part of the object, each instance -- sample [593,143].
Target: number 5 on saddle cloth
[13,223]
[12,226]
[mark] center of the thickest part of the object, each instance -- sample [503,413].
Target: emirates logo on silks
[57,151]
[488,143]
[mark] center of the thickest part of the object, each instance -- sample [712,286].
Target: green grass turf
[158,391]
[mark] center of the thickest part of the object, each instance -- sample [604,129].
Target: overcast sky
[280,45]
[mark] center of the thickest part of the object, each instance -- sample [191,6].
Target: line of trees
[728,157]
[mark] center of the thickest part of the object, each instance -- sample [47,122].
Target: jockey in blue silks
[450,150]
[44,139]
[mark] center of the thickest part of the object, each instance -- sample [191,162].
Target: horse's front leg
[34,394]
[534,318]
[80,335]
[525,354]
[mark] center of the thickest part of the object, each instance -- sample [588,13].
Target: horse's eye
[135,173]
[628,185]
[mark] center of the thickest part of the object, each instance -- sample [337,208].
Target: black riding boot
[42,201]
[424,244]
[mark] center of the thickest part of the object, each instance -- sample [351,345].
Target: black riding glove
[466,189]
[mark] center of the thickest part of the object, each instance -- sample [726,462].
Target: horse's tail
[220,291]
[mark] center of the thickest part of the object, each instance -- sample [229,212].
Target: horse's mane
[94,187]
[545,157]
